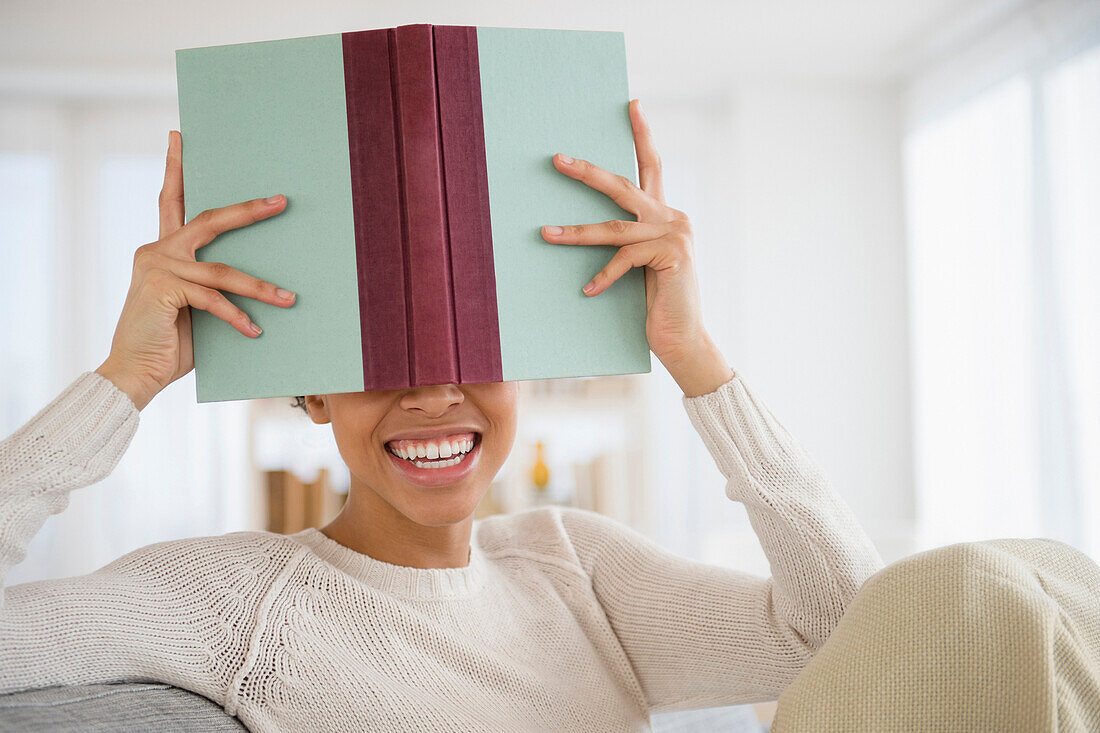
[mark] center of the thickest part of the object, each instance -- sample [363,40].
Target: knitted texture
[563,620]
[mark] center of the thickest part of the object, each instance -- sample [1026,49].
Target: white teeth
[440,464]
[442,454]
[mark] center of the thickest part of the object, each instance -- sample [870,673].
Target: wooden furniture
[293,505]
[596,434]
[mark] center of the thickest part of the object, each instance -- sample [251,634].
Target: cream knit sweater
[564,620]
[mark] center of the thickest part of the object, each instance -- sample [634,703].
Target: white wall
[794,191]
[795,196]
[821,323]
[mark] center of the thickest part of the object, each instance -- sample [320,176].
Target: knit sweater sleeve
[119,623]
[700,635]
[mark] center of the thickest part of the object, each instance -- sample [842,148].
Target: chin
[441,509]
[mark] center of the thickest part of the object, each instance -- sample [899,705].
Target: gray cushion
[108,708]
[126,707]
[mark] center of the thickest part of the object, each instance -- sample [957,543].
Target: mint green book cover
[417,164]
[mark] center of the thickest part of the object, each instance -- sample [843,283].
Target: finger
[171,194]
[615,231]
[202,230]
[621,189]
[659,254]
[649,163]
[221,276]
[624,260]
[180,292]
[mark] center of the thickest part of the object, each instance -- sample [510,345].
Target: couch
[129,707]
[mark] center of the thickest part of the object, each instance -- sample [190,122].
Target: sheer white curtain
[27,184]
[1072,94]
[1002,184]
[973,327]
[79,183]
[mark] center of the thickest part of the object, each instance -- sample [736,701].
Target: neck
[372,526]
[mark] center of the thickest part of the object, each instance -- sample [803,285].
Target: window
[1072,94]
[1004,255]
[971,274]
[78,194]
[27,193]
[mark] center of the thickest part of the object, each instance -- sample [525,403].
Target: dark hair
[300,401]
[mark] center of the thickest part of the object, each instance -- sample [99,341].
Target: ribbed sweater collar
[398,580]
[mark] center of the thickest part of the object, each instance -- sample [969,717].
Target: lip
[435,477]
[430,433]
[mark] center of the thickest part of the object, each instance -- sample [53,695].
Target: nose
[432,400]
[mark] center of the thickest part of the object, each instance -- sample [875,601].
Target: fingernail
[278,198]
[565,158]
[284,294]
[255,329]
[554,230]
[646,119]
[589,288]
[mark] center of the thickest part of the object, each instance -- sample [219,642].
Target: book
[417,165]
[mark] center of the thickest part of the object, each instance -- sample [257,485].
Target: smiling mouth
[437,452]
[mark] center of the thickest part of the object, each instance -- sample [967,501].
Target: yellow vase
[540,474]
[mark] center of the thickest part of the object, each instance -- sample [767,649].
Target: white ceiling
[674,48]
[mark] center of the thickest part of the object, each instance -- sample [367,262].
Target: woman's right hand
[152,342]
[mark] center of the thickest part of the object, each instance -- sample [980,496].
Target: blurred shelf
[594,432]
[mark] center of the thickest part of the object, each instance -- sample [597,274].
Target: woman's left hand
[661,241]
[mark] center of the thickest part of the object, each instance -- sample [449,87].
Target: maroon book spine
[377,209]
[458,80]
[427,283]
[434,354]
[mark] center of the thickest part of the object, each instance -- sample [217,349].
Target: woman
[403,613]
